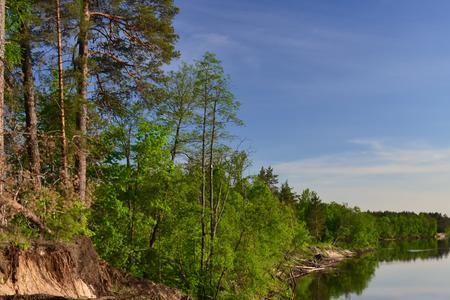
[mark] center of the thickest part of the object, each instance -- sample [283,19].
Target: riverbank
[391,269]
[56,270]
[318,258]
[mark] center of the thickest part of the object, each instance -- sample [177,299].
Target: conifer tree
[286,194]
[62,113]
[2,96]
[126,42]
[31,118]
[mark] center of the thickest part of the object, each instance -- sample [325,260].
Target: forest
[98,137]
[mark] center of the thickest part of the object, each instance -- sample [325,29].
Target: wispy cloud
[378,176]
[305,70]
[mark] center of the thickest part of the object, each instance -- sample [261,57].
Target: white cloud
[378,176]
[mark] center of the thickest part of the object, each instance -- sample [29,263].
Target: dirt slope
[71,272]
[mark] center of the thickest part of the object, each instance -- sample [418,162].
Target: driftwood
[299,264]
[321,260]
[20,209]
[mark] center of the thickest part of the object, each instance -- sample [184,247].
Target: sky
[349,98]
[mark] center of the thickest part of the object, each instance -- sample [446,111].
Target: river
[398,270]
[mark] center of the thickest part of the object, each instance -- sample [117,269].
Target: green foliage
[146,216]
[127,61]
[131,196]
[442,221]
[269,178]
[142,191]
[405,225]
[287,195]
[353,276]
[65,216]
[349,227]
[264,230]
[313,211]
[344,226]
[20,232]
[134,198]
[16,12]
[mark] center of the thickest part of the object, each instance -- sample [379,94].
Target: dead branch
[19,208]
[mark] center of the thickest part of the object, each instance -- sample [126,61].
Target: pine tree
[2,96]
[81,65]
[31,133]
[62,113]
[269,178]
[121,46]
[286,194]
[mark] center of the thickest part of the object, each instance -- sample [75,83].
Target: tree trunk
[30,106]
[211,191]
[2,95]
[19,208]
[177,136]
[203,192]
[82,84]
[154,234]
[159,217]
[65,172]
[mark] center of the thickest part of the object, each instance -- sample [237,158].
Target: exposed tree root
[53,270]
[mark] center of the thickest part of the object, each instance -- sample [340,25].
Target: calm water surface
[400,270]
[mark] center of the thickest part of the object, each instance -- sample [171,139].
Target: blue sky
[349,97]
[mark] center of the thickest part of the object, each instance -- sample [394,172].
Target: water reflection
[353,276]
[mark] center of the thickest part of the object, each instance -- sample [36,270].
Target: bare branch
[19,208]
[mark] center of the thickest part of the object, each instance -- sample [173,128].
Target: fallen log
[20,209]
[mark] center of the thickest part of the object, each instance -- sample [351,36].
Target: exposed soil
[52,270]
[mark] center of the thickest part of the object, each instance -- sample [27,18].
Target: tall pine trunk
[82,84]
[30,106]
[64,163]
[2,96]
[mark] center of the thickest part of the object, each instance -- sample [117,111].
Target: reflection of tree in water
[354,275]
[413,250]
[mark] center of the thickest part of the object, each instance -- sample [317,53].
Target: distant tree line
[340,224]
[405,225]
